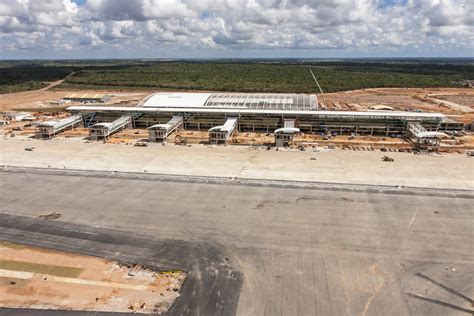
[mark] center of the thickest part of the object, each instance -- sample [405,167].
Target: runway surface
[260,248]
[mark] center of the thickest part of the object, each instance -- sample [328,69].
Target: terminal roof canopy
[176,100]
[267,101]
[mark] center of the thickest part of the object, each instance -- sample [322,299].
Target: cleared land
[426,100]
[38,278]
[46,100]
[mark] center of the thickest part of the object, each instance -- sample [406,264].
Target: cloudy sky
[235,28]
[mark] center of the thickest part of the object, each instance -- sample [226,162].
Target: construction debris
[140,144]
[82,283]
[53,215]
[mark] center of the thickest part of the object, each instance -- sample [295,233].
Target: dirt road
[41,98]
[11,100]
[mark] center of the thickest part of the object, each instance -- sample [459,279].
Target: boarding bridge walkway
[424,140]
[104,130]
[160,132]
[50,128]
[284,135]
[218,134]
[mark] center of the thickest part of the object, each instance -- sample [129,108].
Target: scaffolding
[49,129]
[284,135]
[220,134]
[159,132]
[104,130]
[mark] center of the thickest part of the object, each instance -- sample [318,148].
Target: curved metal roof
[431,134]
[287,130]
[102,125]
[160,126]
[176,100]
[263,101]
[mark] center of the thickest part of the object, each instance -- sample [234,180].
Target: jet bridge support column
[104,130]
[284,135]
[159,132]
[220,134]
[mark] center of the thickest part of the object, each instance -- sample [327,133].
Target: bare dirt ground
[44,279]
[405,99]
[458,144]
[47,98]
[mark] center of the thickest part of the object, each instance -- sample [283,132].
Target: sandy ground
[45,98]
[45,279]
[453,171]
[404,99]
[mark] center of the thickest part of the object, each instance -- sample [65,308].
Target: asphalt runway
[260,248]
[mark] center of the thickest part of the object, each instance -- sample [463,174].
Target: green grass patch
[43,110]
[11,245]
[60,271]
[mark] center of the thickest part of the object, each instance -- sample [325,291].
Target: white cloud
[236,24]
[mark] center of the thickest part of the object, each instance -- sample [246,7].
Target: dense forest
[231,75]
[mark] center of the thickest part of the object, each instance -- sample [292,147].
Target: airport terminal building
[225,113]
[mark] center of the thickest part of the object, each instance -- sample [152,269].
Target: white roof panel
[431,134]
[288,130]
[174,100]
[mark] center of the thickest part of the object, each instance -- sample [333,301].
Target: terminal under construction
[222,114]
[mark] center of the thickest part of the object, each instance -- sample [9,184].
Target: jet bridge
[49,129]
[423,139]
[104,130]
[159,132]
[284,135]
[220,134]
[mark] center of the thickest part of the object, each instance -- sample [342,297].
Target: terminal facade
[222,114]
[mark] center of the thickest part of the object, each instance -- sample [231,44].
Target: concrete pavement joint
[367,188]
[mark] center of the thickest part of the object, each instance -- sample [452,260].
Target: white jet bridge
[424,139]
[159,132]
[104,130]
[49,129]
[220,134]
[284,135]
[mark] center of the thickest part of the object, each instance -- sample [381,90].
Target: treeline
[263,77]
[246,76]
[29,77]
[23,75]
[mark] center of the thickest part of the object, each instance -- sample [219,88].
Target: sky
[76,29]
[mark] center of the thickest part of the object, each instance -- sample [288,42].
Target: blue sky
[79,2]
[230,29]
